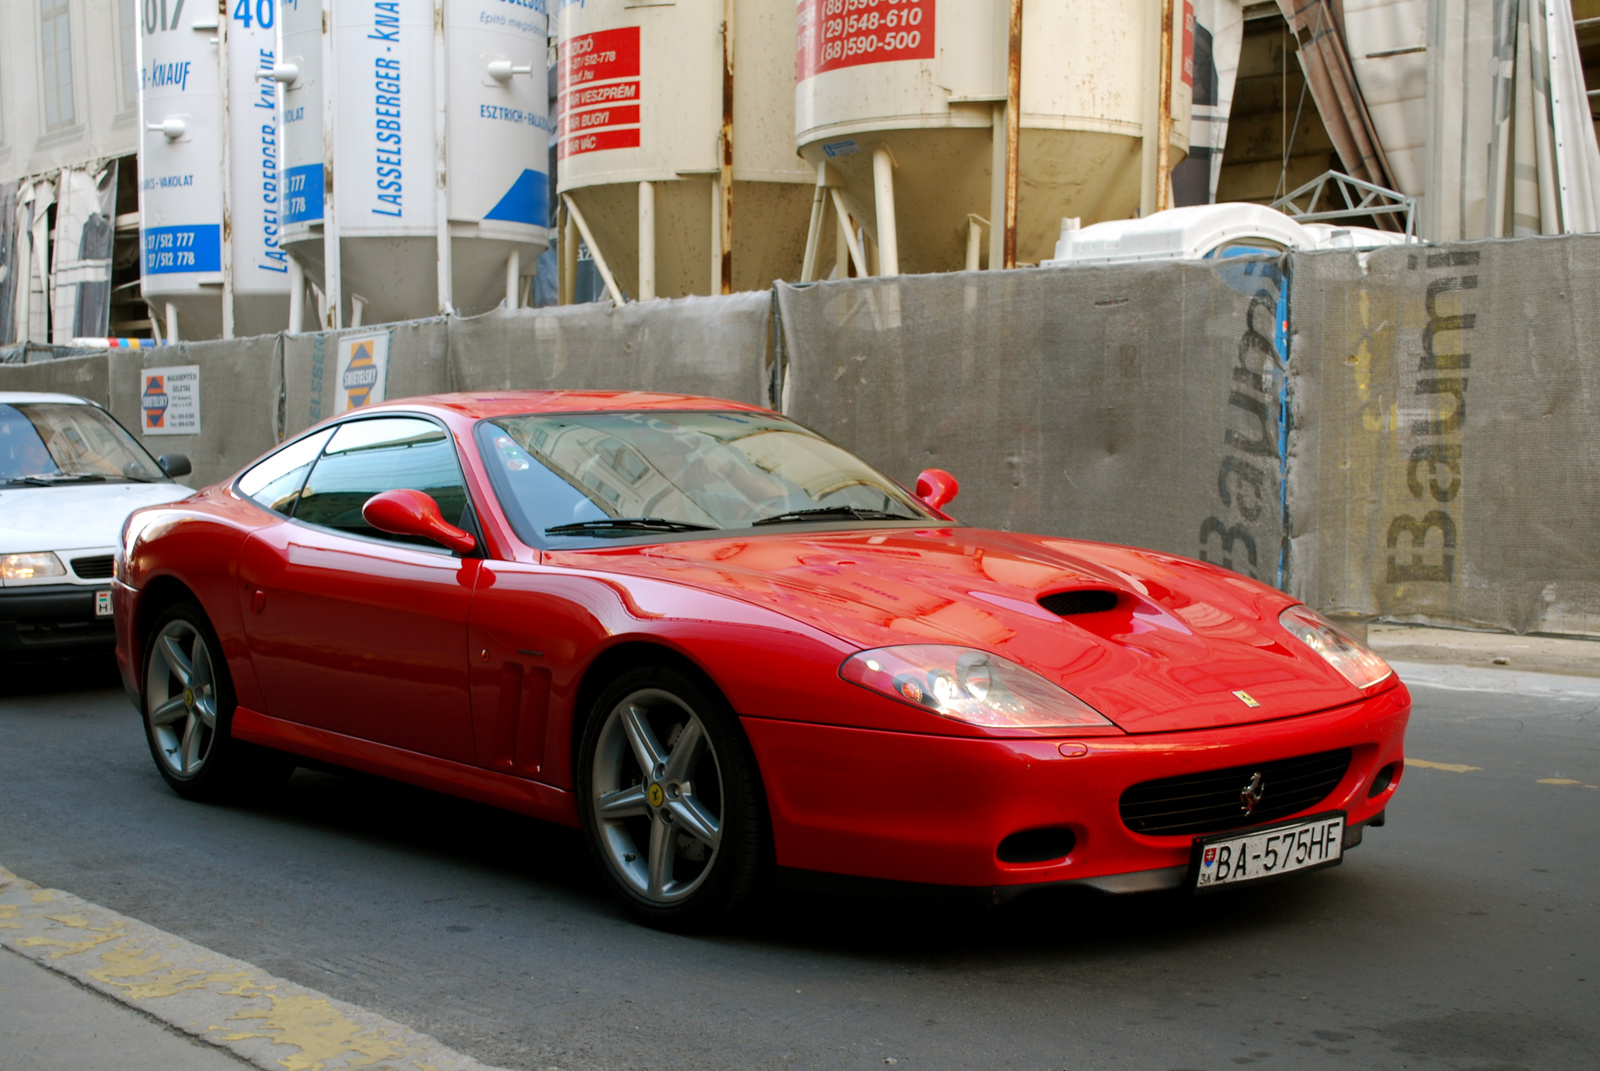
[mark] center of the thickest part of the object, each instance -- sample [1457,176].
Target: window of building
[55,48]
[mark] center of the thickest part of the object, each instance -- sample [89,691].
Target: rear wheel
[671,800]
[188,710]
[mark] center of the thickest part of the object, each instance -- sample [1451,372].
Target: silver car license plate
[1267,851]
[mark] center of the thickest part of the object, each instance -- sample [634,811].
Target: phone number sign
[847,33]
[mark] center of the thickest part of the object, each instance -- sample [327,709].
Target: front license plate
[102,604]
[1250,855]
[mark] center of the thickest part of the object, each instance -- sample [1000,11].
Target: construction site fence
[1408,434]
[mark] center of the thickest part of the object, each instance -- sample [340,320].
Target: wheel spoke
[175,660]
[695,820]
[686,752]
[205,707]
[646,748]
[202,671]
[660,856]
[623,803]
[167,712]
[189,749]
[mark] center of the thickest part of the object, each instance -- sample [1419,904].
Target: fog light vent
[1381,782]
[1081,601]
[1037,845]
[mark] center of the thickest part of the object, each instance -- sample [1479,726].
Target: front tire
[671,800]
[188,707]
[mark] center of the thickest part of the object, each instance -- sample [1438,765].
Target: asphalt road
[1464,935]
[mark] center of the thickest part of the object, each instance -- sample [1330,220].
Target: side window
[382,454]
[275,483]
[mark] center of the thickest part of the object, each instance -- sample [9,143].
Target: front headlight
[1358,665]
[30,566]
[971,686]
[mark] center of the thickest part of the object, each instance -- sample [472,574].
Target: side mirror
[413,513]
[175,465]
[936,487]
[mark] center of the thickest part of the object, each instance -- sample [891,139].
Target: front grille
[1209,802]
[97,567]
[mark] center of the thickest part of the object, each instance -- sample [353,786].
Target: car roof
[15,397]
[480,405]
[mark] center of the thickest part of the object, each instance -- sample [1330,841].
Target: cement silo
[414,153]
[208,162]
[902,104]
[676,143]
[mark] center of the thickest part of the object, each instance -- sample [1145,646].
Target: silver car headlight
[32,566]
[1360,666]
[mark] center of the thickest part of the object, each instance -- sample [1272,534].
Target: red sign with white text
[587,61]
[1188,42]
[831,34]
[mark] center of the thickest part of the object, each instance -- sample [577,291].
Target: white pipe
[297,296]
[997,185]
[332,308]
[227,185]
[513,278]
[441,119]
[883,191]
[819,209]
[358,307]
[569,261]
[848,233]
[975,225]
[716,236]
[647,241]
[594,250]
[172,323]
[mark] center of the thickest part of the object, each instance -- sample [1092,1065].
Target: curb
[268,1021]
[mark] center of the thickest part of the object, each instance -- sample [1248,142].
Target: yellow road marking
[1558,781]
[1453,767]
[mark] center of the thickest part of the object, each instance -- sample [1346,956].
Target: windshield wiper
[52,480]
[627,524]
[849,513]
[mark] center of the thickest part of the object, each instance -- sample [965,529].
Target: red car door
[359,632]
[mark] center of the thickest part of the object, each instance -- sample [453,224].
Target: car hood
[1182,641]
[75,517]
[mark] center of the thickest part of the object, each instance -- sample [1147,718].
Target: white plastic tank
[641,97]
[375,89]
[926,81]
[198,144]
[1199,231]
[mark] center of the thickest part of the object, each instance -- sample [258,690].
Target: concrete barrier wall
[1429,452]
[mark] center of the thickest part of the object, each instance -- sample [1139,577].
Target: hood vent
[1081,601]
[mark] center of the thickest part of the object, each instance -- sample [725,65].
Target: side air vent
[1082,601]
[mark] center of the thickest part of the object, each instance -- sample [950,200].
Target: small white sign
[169,400]
[363,370]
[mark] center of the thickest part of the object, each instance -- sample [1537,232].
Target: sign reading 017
[158,18]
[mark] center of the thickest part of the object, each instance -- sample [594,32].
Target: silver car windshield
[592,476]
[65,442]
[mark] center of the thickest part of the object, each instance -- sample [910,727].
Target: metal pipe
[716,236]
[997,185]
[594,250]
[1164,117]
[1014,128]
[358,308]
[727,147]
[441,195]
[332,269]
[513,278]
[883,194]
[567,281]
[297,295]
[227,184]
[647,241]
[849,234]
[975,225]
[819,211]
[172,323]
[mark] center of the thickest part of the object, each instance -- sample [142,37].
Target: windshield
[586,476]
[63,442]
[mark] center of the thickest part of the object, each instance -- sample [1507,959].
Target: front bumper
[49,620]
[933,810]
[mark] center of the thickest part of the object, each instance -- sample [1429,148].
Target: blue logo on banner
[170,250]
[528,201]
[302,194]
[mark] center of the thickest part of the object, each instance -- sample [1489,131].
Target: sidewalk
[48,1023]
[1491,650]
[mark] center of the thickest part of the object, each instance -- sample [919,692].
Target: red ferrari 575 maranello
[716,642]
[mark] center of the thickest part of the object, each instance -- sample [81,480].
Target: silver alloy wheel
[658,806]
[180,698]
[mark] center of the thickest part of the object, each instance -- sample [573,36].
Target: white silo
[415,148]
[206,155]
[646,91]
[905,103]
